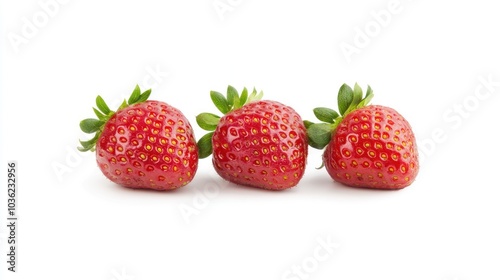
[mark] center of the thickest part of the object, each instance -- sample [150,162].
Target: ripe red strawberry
[257,143]
[144,145]
[371,146]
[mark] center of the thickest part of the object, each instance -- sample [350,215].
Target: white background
[427,60]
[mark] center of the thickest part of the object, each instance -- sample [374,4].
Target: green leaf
[325,114]
[307,123]
[344,98]
[254,96]
[123,105]
[91,125]
[220,101]
[368,97]
[243,97]
[99,115]
[207,121]
[356,98]
[102,105]
[357,94]
[319,135]
[369,91]
[233,98]
[205,145]
[135,95]
[84,149]
[259,96]
[88,144]
[144,96]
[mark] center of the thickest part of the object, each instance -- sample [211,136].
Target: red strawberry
[144,145]
[371,146]
[261,144]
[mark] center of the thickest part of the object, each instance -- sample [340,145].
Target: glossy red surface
[373,147]
[262,144]
[148,145]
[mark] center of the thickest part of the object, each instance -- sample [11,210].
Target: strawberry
[144,144]
[256,143]
[367,146]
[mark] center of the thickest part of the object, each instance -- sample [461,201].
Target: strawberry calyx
[348,99]
[225,104]
[103,114]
